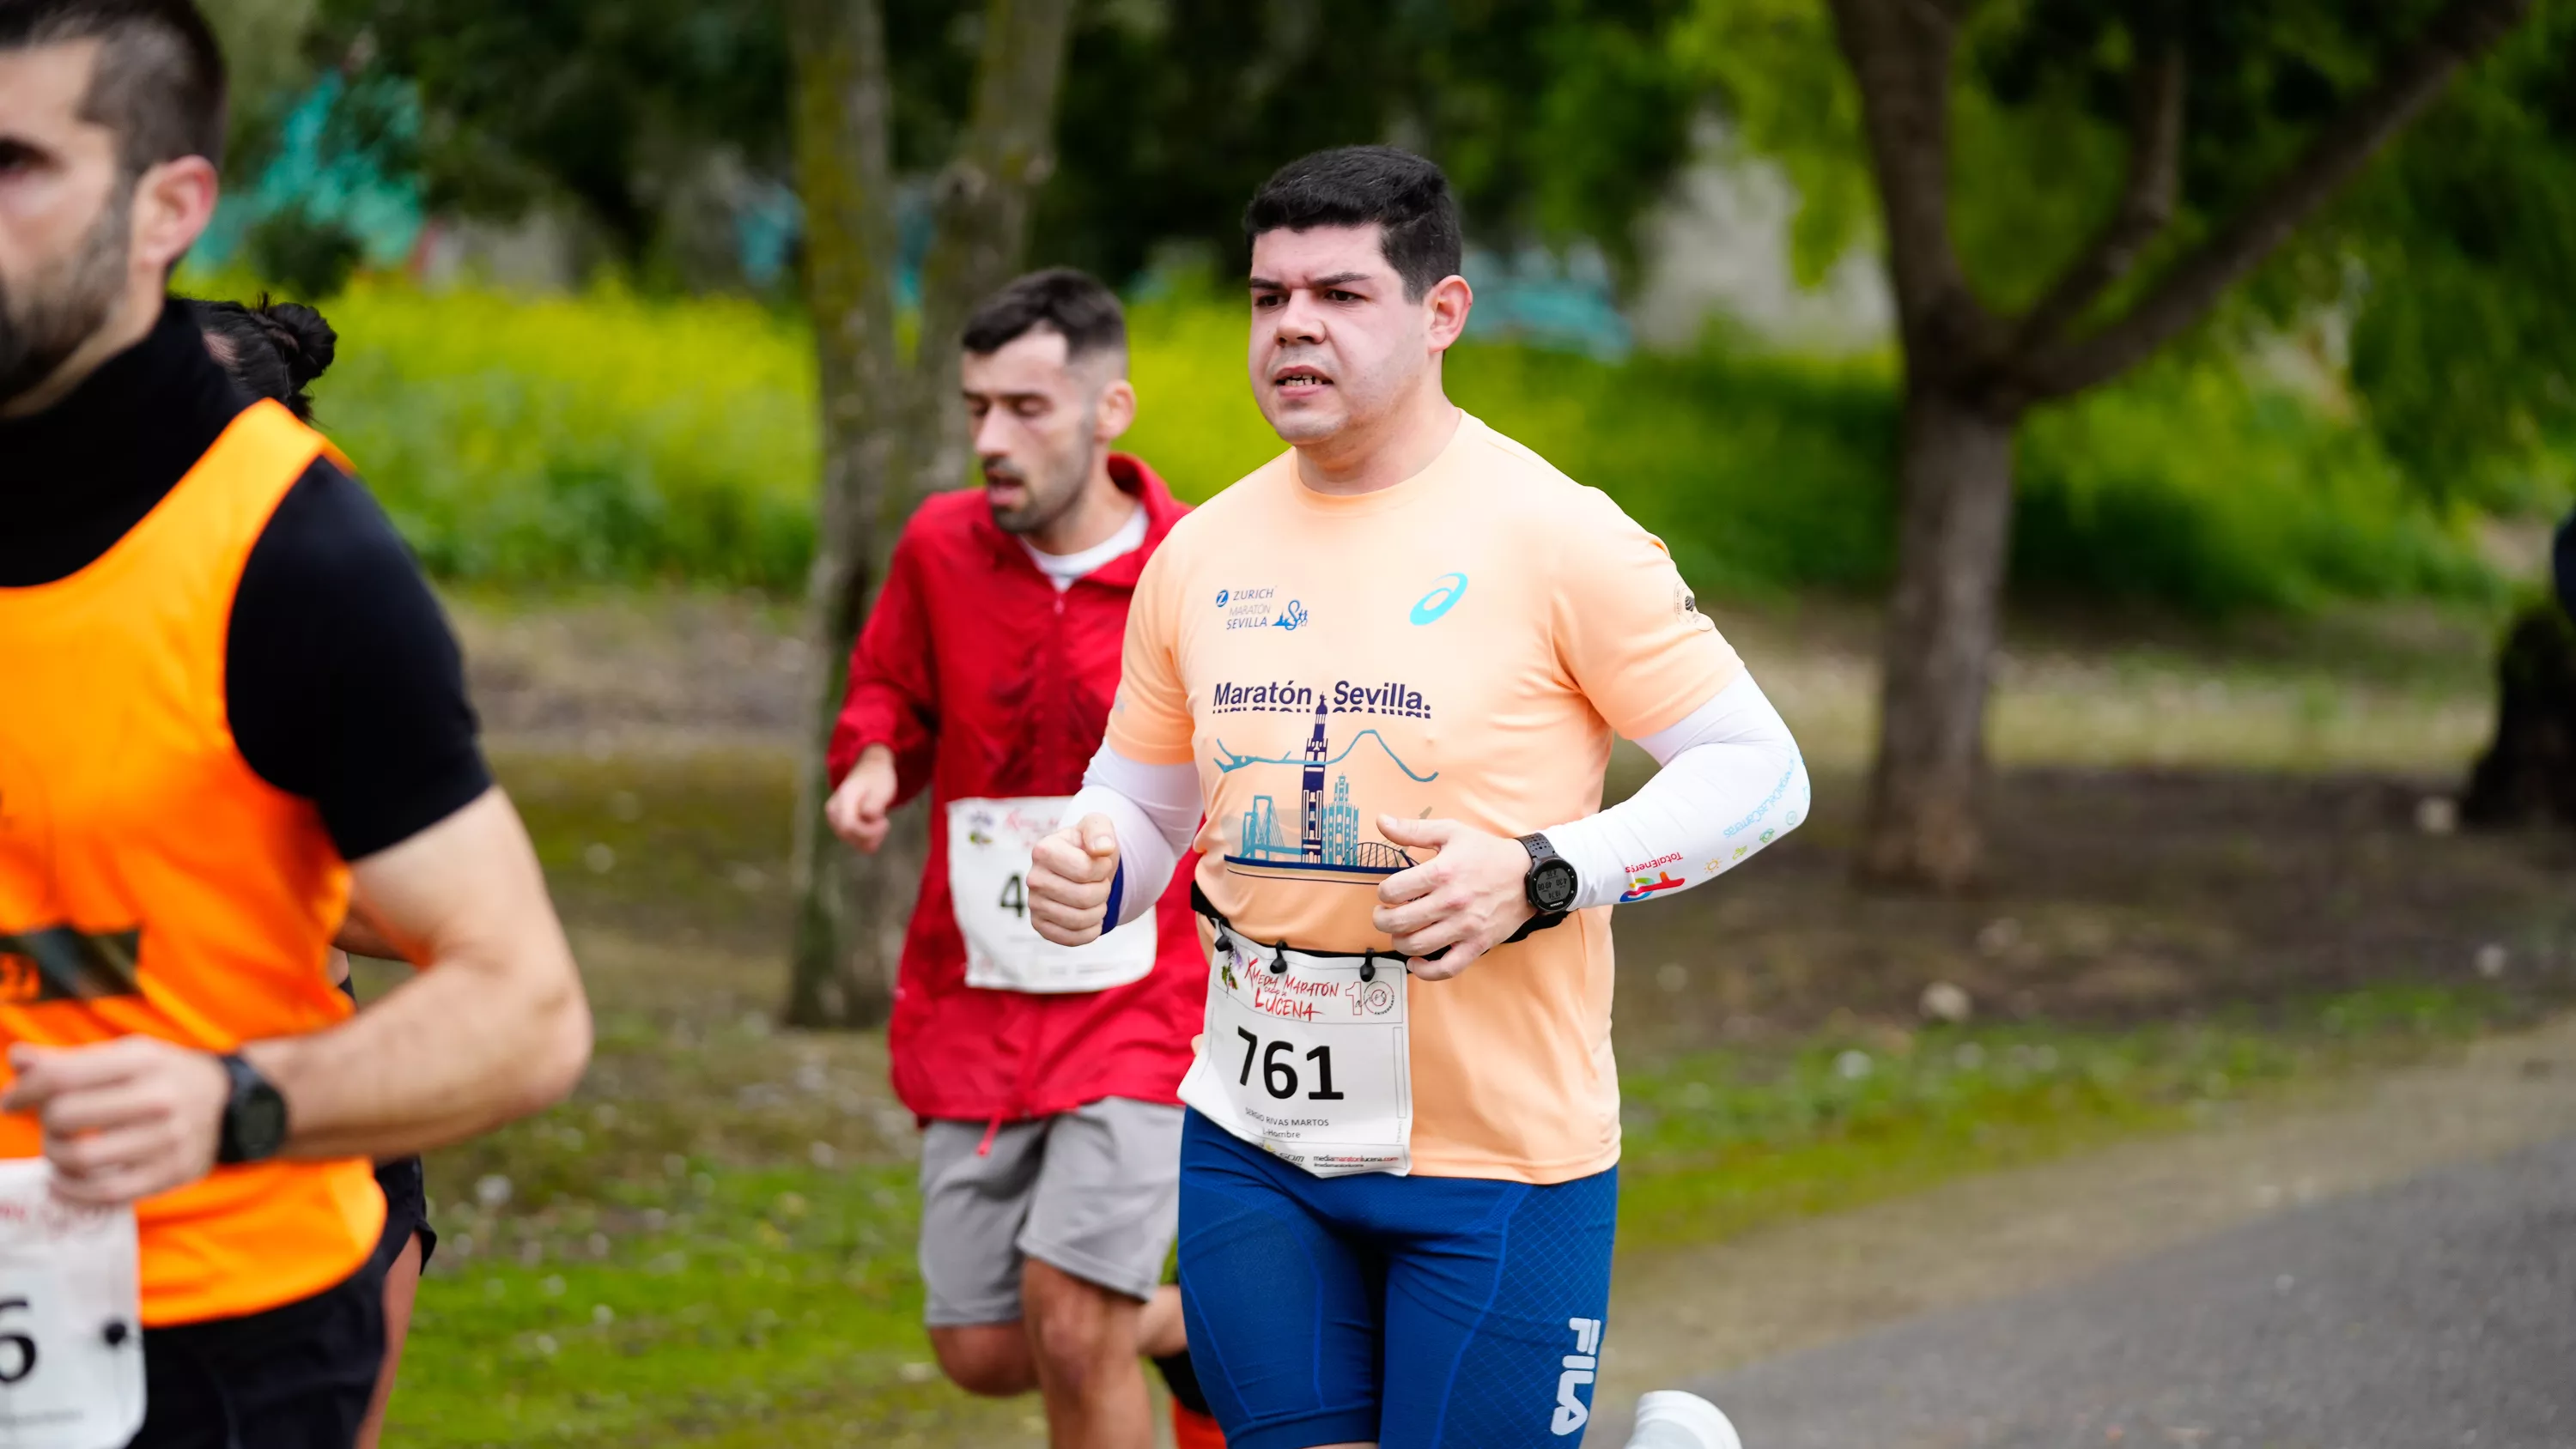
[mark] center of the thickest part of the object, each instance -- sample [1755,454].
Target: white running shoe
[1671,1419]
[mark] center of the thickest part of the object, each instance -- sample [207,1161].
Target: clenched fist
[1463,901]
[1069,876]
[123,1119]
[857,810]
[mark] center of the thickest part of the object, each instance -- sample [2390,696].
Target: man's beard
[1051,497]
[64,307]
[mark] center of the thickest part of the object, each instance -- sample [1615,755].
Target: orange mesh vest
[151,882]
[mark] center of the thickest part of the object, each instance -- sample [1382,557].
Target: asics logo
[1445,593]
[1571,1412]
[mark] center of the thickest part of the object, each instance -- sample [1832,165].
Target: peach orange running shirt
[1460,646]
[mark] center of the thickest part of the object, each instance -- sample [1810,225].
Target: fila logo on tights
[1571,1412]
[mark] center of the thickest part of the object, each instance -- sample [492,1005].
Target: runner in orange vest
[234,716]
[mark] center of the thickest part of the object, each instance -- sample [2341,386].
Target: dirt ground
[2114,895]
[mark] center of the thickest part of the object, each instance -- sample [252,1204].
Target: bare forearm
[493,1027]
[457,1050]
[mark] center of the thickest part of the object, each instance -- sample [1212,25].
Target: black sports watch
[1551,884]
[254,1116]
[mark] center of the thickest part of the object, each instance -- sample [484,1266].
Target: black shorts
[294,1377]
[406,1212]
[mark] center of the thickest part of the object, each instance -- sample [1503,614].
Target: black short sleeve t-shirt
[342,680]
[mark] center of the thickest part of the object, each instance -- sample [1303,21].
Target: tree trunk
[892,433]
[1971,374]
[981,223]
[845,176]
[1943,619]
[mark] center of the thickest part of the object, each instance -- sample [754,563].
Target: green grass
[696,848]
[751,1291]
[609,437]
[655,1276]
[1723,1142]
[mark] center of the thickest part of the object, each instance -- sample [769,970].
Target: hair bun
[305,342]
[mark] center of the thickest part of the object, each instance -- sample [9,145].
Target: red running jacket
[984,681]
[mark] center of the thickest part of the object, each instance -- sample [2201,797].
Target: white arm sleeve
[1732,782]
[1155,811]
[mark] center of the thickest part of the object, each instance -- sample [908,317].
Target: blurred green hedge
[564,439]
[607,437]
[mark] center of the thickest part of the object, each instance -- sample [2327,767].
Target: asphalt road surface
[2436,1313]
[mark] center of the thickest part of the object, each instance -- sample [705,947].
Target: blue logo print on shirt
[1444,595]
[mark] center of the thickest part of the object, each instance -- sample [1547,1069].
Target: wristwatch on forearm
[1551,884]
[254,1125]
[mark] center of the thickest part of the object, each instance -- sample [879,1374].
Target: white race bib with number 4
[1312,1064]
[988,879]
[71,1339]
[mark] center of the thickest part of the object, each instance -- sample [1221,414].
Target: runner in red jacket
[1046,1077]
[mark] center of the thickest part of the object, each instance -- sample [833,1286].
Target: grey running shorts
[1094,1192]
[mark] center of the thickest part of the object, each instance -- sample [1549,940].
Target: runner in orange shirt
[1376,683]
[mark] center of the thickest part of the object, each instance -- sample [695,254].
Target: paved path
[2441,1312]
[2014,1239]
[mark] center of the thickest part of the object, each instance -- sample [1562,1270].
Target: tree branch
[1900,53]
[2146,202]
[2462,32]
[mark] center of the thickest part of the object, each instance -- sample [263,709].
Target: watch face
[259,1123]
[1553,884]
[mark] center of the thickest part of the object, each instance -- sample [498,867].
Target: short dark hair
[1406,196]
[1072,302]
[160,79]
